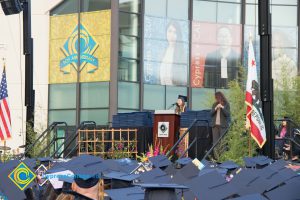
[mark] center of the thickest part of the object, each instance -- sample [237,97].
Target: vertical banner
[215,56]
[166,50]
[94,50]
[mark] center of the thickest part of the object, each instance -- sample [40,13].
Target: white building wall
[11,49]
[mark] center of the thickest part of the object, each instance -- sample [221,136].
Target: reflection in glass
[284,54]
[128,24]
[152,8]
[154,97]
[289,18]
[68,116]
[94,5]
[251,15]
[128,95]
[205,11]
[229,13]
[178,9]
[62,96]
[128,70]
[128,47]
[94,95]
[129,5]
[98,116]
[65,7]
[284,2]
[202,98]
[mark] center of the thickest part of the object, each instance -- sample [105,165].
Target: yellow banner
[94,50]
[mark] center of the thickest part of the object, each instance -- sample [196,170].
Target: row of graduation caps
[258,180]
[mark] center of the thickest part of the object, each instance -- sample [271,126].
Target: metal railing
[71,138]
[185,133]
[218,141]
[43,136]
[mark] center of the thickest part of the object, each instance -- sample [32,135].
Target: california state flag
[254,117]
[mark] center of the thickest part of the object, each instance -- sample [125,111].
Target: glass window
[126,110]
[251,14]
[178,9]
[289,18]
[99,116]
[65,7]
[284,2]
[154,97]
[156,7]
[172,94]
[130,5]
[128,47]
[68,116]
[284,37]
[62,96]
[205,11]
[252,1]
[128,95]
[229,13]
[94,5]
[94,95]
[202,98]
[129,24]
[128,70]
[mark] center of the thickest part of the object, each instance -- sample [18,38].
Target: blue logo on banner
[87,48]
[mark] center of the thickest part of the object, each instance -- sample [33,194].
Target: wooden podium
[166,126]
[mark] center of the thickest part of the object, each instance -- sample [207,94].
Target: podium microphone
[172,105]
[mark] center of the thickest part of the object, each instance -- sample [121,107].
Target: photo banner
[94,51]
[215,54]
[166,51]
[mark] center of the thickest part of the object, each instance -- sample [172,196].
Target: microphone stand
[171,106]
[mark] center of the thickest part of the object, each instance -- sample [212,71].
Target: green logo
[22,176]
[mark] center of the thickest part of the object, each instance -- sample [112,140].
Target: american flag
[5,120]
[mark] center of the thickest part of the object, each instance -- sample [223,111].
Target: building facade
[95,58]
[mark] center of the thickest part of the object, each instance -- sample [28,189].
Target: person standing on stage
[220,114]
[180,105]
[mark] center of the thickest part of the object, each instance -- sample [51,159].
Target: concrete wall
[11,49]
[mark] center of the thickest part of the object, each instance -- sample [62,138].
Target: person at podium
[180,105]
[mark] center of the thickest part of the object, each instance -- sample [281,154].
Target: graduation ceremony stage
[98,166]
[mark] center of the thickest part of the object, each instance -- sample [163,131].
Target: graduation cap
[184,161]
[131,193]
[230,165]
[287,191]
[251,197]
[120,179]
[154,191]
[276,178]
[155,176]
[45,161]
[87,170]
[249,181]
[160,161]
[183,98]
[211,186]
